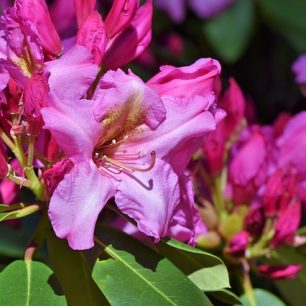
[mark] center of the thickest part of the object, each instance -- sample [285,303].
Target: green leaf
[25,283]
[230,32]
[187,258]
[136,275]
[73,273]
[288,19]
[205,270]
[263,298]
[211,279]
[292,290]
[225,296]
[19,213]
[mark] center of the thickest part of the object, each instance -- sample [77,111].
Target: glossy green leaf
[136,275]
[263,298]
[288,19]
[211,279]
[292,290]
[73,273]
[26,283]
[205,270]
[187,258]
[230,32]
[225,296]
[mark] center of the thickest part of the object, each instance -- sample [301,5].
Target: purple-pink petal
[148,200]
[73,73]
[77,202]
[72,124]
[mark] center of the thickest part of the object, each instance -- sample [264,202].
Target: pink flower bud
[238,244]
[120,16]
[254,221]
[92,36]
[287,224]
[274,191]
[233,102]
[54,175]
[130,43]
[83,9]
[37,12]
[280,272]
[35,94]
[247,167]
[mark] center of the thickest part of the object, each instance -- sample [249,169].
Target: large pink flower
[126,143]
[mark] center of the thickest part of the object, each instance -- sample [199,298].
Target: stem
[31,150]
[247,284]
[18,151]
[94,85]
[19,180]
[37,187]
[7,140]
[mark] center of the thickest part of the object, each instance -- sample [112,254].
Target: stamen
[122,166]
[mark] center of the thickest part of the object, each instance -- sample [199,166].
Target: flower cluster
[251,185]
[78,131]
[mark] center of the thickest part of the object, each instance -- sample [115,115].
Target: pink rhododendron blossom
[196,79]
[299,68]
[280,272]
[238,244]
[124,143]
[287,223]
[120,16]
[292,144]
[83,9]
[92,35]
[214,147]
[37,13]
[63,15]
[132,41]
[247,167]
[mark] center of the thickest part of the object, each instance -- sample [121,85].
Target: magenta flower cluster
[83,131]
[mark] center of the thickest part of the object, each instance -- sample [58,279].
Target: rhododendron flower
[123,36]
[238,244]
[280,272]
[125,143]
[214,148]
[247,170]
[299,69]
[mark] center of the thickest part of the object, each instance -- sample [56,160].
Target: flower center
[117,161]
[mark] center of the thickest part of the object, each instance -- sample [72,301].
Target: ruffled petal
[124,102]
[77,202]
[72,124]
[148,200]
[73,73]
[181,134]
[186,218]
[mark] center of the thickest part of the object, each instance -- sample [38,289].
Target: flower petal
[146,198]
[181,134]
[186,218]
[124,102]
[72,124]
[77,202]
[73,73]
